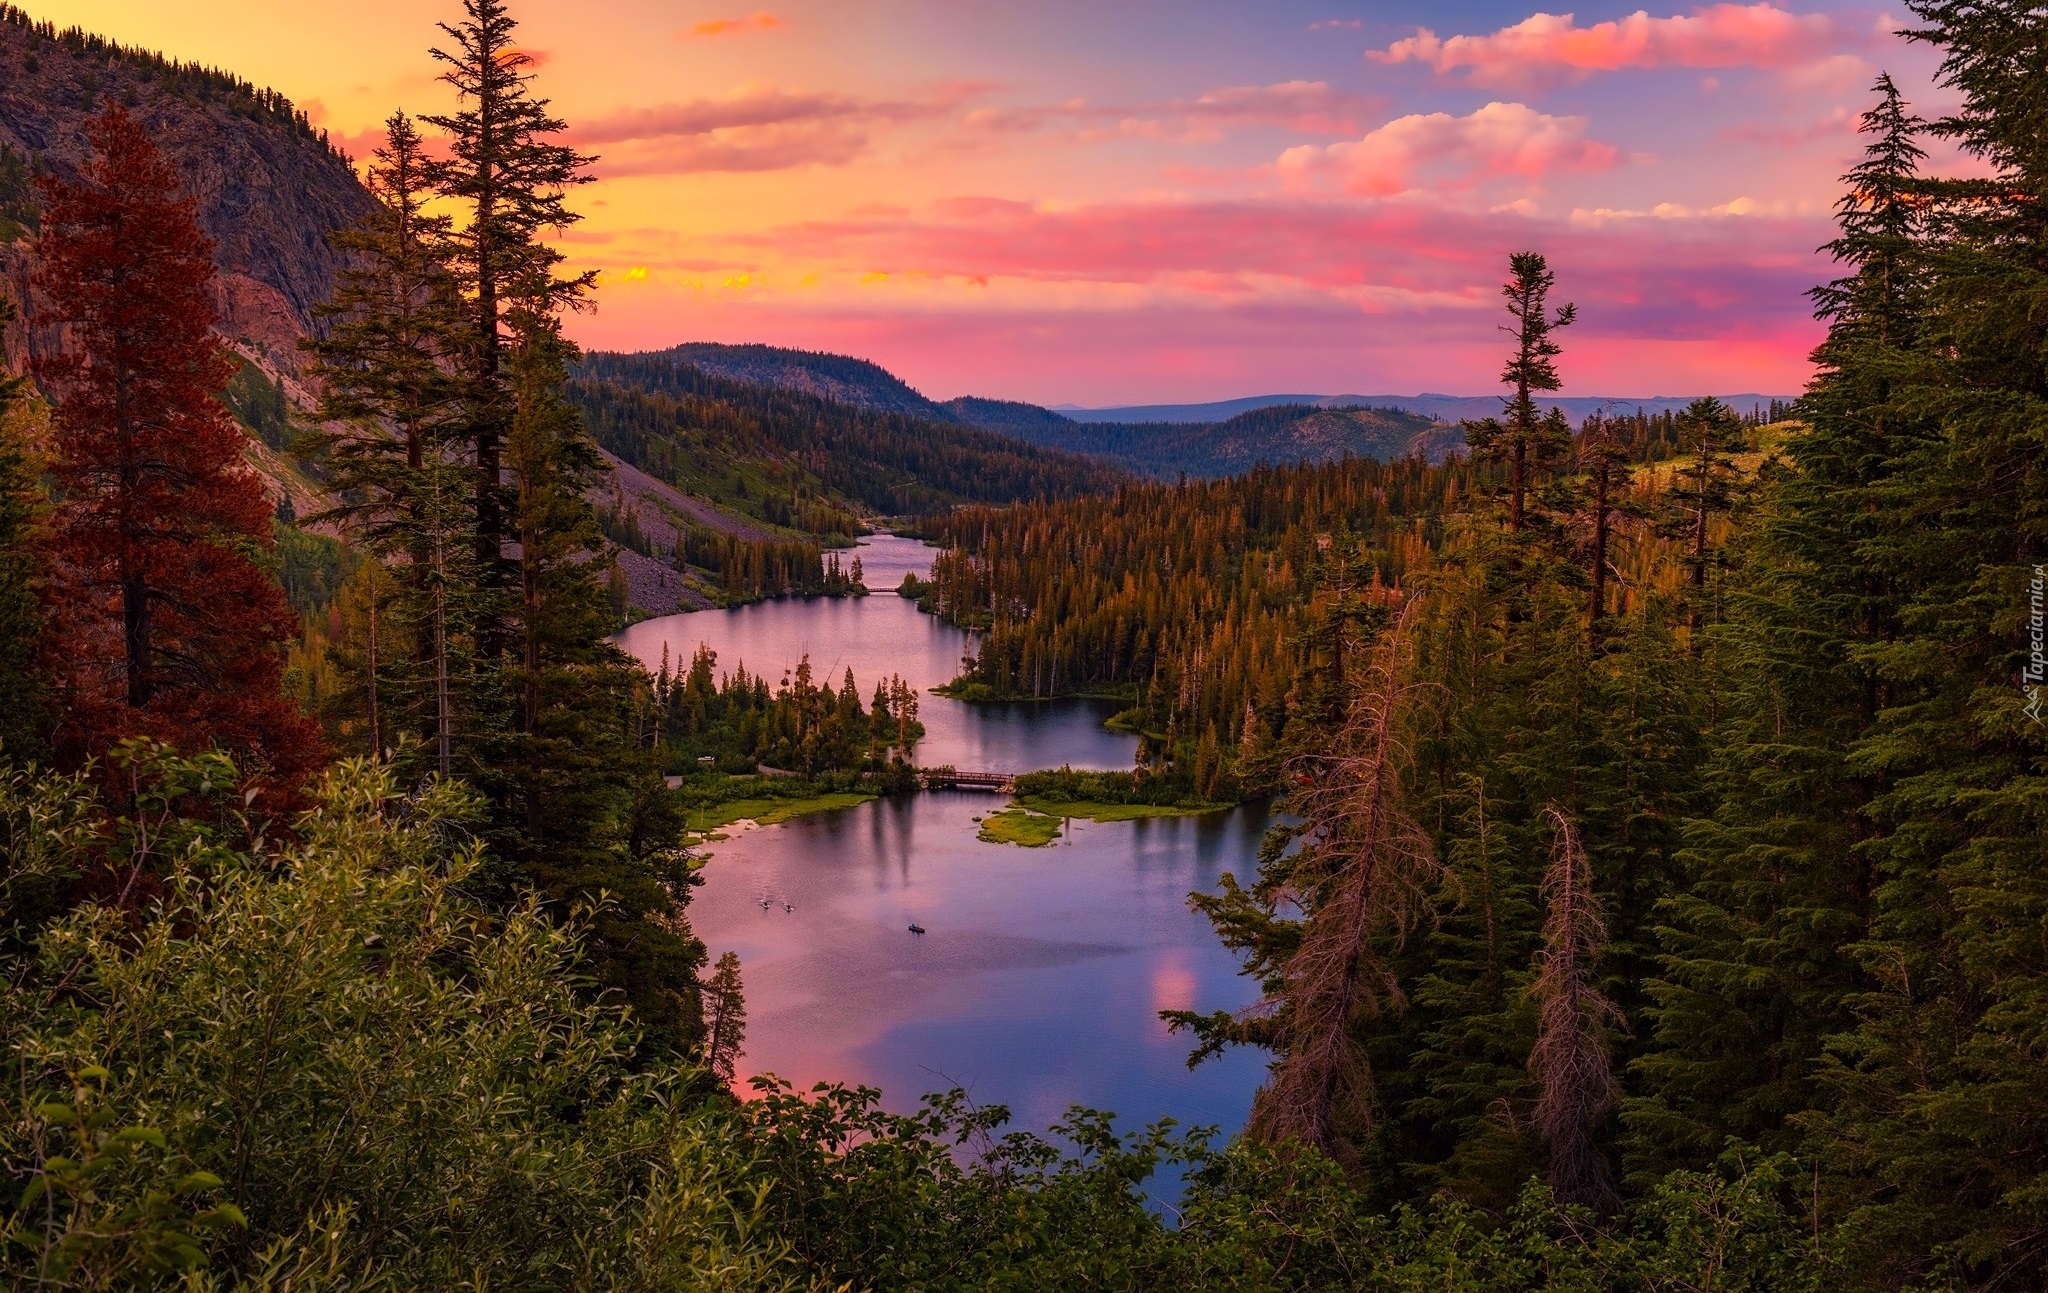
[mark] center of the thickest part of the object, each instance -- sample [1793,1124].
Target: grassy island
[1020,826]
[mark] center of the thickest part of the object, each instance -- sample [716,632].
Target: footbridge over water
[999,783]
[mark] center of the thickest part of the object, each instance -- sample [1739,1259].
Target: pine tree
[386,368]
[157,621]
[1705,489]
[1604,459]
[1362,873]
[509,181]
[1525,441]
[725,1019]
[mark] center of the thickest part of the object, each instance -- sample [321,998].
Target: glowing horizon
[1156,202]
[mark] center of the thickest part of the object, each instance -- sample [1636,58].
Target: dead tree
[1571,1060]
[1361,878]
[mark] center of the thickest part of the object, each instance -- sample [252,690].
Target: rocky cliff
[269,187]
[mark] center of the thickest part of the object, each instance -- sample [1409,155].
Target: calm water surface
[1040,979]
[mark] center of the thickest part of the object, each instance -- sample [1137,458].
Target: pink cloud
[1500,139]
[1307,107]
[1650,278]
[1548,46]
[758,128]
[762,21]
[1342,24]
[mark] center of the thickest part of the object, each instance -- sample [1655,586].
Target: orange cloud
[762,21]
[1547,46]
[1500,139]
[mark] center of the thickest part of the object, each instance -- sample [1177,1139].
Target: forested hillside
[1274,436]
[707,434]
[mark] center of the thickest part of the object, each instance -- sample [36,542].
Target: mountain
[1004,417]
[750,446]
[840,378]
[269,186]
[1450,408]
[1226,438]
[1287,433]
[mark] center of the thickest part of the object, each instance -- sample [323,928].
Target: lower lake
[1039,979]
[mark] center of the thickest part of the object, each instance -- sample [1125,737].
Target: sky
[1102,202]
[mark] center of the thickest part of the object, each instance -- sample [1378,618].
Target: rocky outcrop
[269,188]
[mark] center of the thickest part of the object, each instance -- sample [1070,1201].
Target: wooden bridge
[1000,783]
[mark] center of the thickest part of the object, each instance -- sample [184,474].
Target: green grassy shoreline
[1096,811]
[772,812]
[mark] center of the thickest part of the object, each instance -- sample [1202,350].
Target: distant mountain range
[1163,440]
[1450,408]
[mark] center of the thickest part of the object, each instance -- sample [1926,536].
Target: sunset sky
[1124,201]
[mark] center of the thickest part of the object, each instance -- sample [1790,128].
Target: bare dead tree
[1361,877]
[1571,1060]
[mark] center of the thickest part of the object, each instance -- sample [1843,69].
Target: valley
[484,810]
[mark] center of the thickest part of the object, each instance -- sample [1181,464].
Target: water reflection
[1042,973]
[1039,980]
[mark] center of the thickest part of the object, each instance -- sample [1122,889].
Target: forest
[1658,902]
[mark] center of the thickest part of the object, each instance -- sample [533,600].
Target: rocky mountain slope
[269,186]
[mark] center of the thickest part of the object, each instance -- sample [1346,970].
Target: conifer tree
[509,181]
[1710,431]
[1362,875]
[1524,440]
[387,368]
[725,1019]
[157,622]
[1604,459]
[1758,967]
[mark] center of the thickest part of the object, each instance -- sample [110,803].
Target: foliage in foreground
[317,1063]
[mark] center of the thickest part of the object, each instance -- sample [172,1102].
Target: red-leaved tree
[158,620]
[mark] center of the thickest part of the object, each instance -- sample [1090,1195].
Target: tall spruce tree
[508,179]
[1758,962]
[1522,438]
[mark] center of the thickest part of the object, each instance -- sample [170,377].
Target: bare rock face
[269,188]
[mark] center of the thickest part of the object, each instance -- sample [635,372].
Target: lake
[1039,980]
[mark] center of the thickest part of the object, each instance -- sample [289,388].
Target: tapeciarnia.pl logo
[2037,633]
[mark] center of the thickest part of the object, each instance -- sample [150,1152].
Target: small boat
[789,906]
[917,929]
[765,904]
